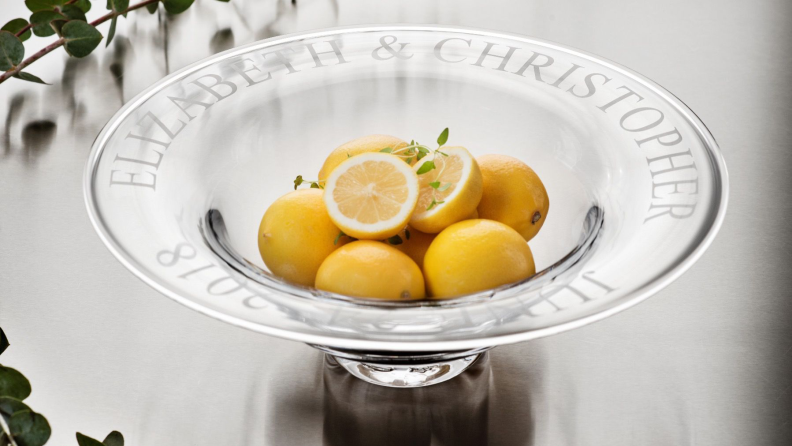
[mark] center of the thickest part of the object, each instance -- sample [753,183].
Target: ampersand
[386,42]
[169,258]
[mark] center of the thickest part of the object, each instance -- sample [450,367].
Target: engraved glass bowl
[178,180]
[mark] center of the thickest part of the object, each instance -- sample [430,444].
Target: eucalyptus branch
[16,70]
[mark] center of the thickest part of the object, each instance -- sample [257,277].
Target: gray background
[708,361]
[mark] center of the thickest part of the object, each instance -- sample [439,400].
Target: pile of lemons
[395,220]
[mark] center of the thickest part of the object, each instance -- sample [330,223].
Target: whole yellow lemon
[296,236]
[367,268]
[370,143]
[475,255]
[513,194]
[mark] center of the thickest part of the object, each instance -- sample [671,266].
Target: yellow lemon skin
[415,246]
[513,194]
[296,236]
[370,143]
[475,255]
[367,268]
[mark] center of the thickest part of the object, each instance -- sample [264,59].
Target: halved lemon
[371,196]
[449,192]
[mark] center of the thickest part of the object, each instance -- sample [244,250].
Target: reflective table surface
[708,361]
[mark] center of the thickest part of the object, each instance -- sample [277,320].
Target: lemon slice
[371,195]
[449,192]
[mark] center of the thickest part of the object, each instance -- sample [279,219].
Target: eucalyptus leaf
[84,5]
[81,38]
[111,33]
[15,26]
[29,428]
[3,341]
[11,50]
[73,12]
[70,12]
[9,406]
[41,22]
[224,1]
[114,439]
[13,384]
[29,77]
[443,138]
[176,6]
[152,7]
[83,440]
[118,6]
[43,5]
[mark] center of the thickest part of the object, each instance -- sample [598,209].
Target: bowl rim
[720,175]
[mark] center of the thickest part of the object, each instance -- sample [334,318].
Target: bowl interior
[636,183]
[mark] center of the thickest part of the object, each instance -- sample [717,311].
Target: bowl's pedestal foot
[394,372]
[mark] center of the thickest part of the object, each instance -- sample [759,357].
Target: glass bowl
[178,180]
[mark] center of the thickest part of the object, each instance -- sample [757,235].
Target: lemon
[371,143]
[367,268]
[513,194]
[415,245]
[450,192]
[475,255]
[371,196]
[296,235]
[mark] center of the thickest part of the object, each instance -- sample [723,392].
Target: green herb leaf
[176,6]
[15,26]
[423,150]
[395,240]
[443,138]
[426,167]
[431,205]
[111,33]
[412,142]
[81,38]
[315,186]
[224,1]
[442,153]
[84,440]
[420,155]
[409,160]
[3,341]
[9,406]
[41,22]
[407,234]
[43,5]
[11,51]
[435,184]
[114,439]
[84,5]
[444,188]
[29,77]
[338,237]
[29,428]
[298,181]
[385,150]
[152,7]
[13,384]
